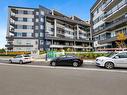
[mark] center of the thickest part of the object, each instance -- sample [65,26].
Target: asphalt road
[21,80]
[88,65]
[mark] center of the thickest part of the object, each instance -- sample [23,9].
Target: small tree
[2,50]
[121,37]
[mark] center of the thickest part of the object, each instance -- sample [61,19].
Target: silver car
[21,59]
[113,60]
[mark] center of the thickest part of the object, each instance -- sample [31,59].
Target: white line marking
[66,68]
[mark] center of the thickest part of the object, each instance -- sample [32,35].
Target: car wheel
[75,64]
[10,61]
[109,65]
[20,62]
[53,63]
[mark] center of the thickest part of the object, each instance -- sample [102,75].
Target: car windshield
[110,54]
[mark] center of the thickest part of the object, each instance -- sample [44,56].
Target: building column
[77,31]
[55,29]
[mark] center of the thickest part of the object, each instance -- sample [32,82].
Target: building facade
[108,17]
[44,29]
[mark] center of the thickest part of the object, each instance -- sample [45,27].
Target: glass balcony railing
[107,3]
[116,8]
[111,24]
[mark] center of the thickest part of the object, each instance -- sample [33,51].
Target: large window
[36,27]
[24,34]
[41,34]
[19,27]
[19,34]
[36,34]
[20,12]
[29,27]
[29,19]
[20,19]
[29,34]
[30,12]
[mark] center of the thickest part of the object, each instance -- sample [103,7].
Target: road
[47,64]
[23,80]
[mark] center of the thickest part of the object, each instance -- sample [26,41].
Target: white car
[113,60]
[21,59]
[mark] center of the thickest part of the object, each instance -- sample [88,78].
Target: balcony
[9,46]
[108,40]
[113,25]
[109,4]
[10,38]
[116,11]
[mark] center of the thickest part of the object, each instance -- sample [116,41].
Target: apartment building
[108,17]
[44,29]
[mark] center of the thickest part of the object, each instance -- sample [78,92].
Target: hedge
[88,55]
[14,53]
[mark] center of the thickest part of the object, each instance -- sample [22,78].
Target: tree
[120,42]
[2,50]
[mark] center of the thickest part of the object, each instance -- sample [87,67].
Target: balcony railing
[113,23]
[116,8]
[107,3]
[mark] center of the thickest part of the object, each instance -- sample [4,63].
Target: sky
[80,8]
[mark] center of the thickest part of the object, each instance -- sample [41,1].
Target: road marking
[66,68]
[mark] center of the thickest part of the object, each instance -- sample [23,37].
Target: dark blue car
[66,60]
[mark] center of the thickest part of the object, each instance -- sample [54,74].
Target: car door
[121,60]
[64,60]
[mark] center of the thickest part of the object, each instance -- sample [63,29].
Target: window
[29,34]
[41,34]
[15,33]
[19,27]
[25,19]
[29,19]
[24,34]
[25,12]
[36,27]
[20,12]
[19,34]
[18,56]
[24,26]
[122,55]
[41,27]
[36,34]
[42,12]
[41,42]
[37,20]
[30,12]
[29,27]
[20,19]
[42,19]
[37,13]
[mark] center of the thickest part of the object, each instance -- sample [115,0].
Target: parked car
[21,59]
[66,60]
[113,60]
